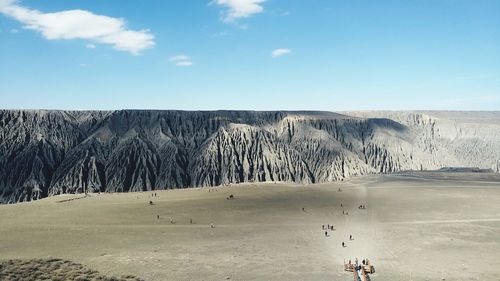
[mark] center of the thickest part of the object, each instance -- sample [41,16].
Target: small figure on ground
[323,227]
[190,221]
[212,225]
[303,210]
[343,245]
[326,233]
[150,202]
[158,216]
[350,237]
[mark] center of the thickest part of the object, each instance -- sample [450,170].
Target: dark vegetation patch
[54,270]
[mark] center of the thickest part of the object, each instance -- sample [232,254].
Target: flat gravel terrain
[418,226]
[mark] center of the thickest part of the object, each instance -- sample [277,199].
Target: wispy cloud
[90,46]
[80,24]
[236,9]
[184,63]
[181,60]
[280,52]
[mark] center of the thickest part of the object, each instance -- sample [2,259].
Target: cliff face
[44,153]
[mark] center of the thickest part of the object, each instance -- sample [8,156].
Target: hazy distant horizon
[255,110]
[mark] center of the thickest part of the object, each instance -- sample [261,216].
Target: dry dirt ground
[416,227]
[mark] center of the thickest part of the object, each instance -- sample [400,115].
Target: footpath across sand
[423,228]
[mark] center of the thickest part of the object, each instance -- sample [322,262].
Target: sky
[329,55]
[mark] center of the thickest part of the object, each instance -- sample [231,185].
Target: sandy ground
[414,228]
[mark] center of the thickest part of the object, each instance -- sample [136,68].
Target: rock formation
[44,153]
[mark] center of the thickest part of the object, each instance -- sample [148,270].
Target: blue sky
[250,54]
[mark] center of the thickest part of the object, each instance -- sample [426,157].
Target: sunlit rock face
[44,153]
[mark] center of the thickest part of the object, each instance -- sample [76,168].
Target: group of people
[350,239]
[347,213]
[172,221]
[358,266]
[328,227]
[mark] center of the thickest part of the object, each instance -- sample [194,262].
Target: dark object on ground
[52,269]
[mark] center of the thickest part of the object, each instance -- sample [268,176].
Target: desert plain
[416,226]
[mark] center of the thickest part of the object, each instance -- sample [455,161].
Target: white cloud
[14,30]
[236,9]
[80,24]
[181,60]
[280,52]
[90,46]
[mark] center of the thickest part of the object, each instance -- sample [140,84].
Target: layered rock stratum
[49,152]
